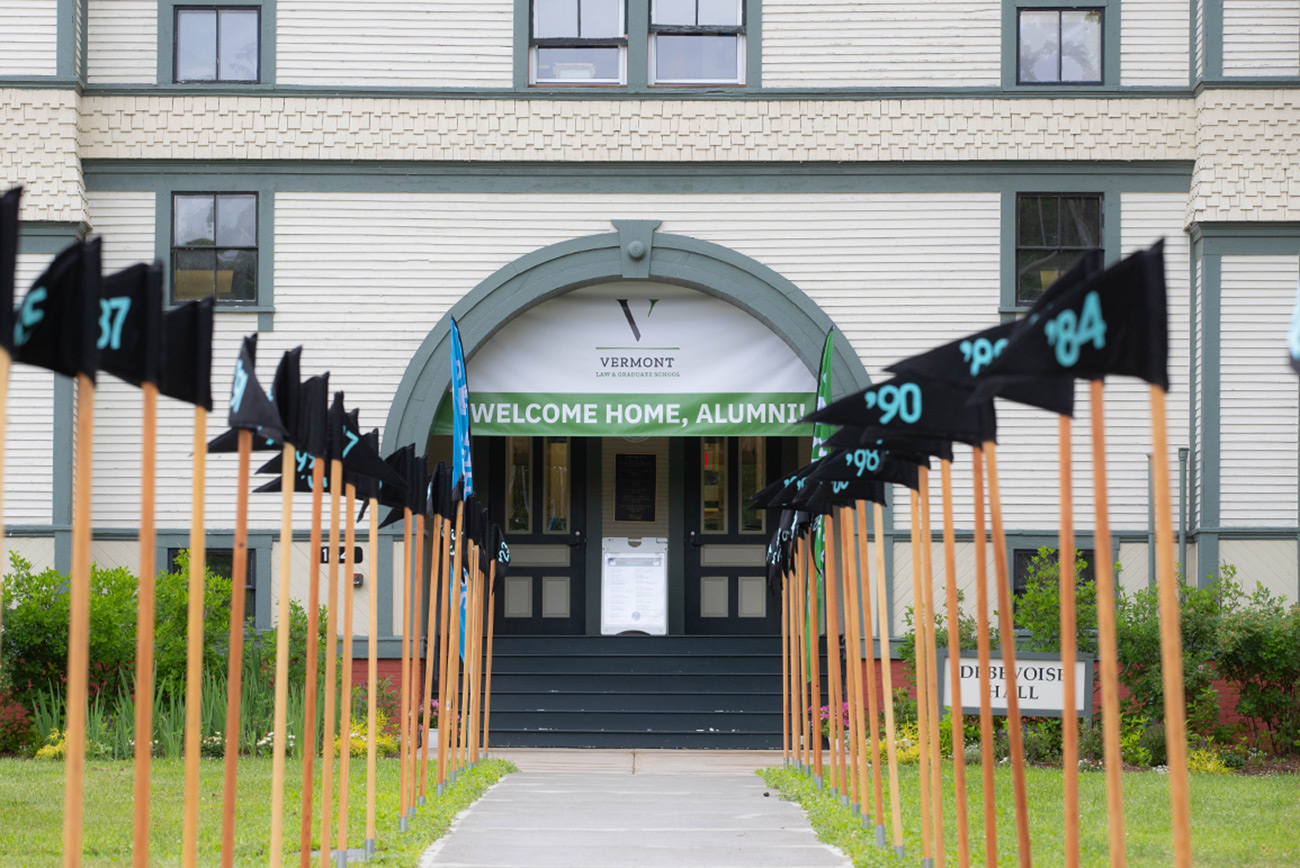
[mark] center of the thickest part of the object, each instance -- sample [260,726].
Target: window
[1052,233]
[753,478]
[214,247]
[1059,46]
[578,42]
[555,485]
[697,42]
[519,485]
[217,44]
[1024,569]
[713,484]
[222,562]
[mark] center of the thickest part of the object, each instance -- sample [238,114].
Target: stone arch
[635,251]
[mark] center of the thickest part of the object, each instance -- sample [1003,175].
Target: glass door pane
[555,485]
[713,484]
[751,482]
[519,485]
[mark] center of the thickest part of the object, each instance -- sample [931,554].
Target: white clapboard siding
[29,37]
[123,37]
[1271,562]
[851,43]
[1153,42]
[1259,404]
[303,559]
[1261,37]
[29,426]
[126,223]
[382,43]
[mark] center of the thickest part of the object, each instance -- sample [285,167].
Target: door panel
[544,515]
[726,577]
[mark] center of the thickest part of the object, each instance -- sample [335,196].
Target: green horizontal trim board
[47,239]
[546,177]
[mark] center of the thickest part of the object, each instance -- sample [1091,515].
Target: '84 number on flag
[1068,332]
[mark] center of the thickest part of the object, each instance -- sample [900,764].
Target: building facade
[348,176]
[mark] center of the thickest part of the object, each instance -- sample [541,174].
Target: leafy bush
[1207,761]
[1132,729]
[1038,608]
[172,594]
[1092,745]
[1153,740]
[1042,740]
[966,632]
[1259,650]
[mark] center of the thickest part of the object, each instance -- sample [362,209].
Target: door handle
[578,540]
[693,540]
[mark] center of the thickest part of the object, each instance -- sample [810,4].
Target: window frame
[172,300]
[167,46]
[217,9]
[535,43]
[654,31]
[1110,45]
[1060,82]
[1017,247]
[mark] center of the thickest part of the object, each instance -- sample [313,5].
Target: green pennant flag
[821,432]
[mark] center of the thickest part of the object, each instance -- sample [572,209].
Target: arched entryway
[554,614]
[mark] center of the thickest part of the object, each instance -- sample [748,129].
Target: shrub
[966,632]
[1132,728]
[1259,650]
[1207,761]
[1153,740]
[1038,608]
[1042,740]
[1092,745]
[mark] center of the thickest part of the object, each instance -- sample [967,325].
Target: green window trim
[166,72]
[637,72]
[1110,46]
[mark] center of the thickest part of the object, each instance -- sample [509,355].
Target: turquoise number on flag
[902,402]
[981,352]
[237,388]
[112,313]
[29,315]
[1068,333]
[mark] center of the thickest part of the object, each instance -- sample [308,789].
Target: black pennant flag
[312,434]
[961,361]
[1116,323]
[500,550]
[914,406]
[841,492]
[130,324]
[250,408]
[394,496]
[862,465]
[58,323]
[187,353]
[284,392]
[360,459]
[368,486]
[8,264]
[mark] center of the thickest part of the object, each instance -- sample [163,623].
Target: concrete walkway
[676,809]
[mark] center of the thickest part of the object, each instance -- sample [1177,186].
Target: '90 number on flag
[902,402]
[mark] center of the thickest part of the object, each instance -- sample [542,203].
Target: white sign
[644,359]
[1040,684]
[634,586]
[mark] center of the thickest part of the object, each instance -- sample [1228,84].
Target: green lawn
[31,812]
[1237,821]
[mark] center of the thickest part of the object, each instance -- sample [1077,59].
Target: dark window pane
[237,221]
[236,278]
[192,274]
[695,58]
[578,64]
[1080,221]
[1081,45]
[1038,226]
[556,19]
[600,19]
[1039,45]
[719,13]
[678,12]
[1036,270]
[196,45]
[194,220]
[239,41]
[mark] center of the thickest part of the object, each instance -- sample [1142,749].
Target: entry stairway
[720,692]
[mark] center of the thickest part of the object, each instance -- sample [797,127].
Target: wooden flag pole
[1171,654]
[313,657]
[471,657]
[984,651]
[235,669]
[345,690]
[955,714]
[1069,641]
[431,633]
[1006,630]
[863,590]
[476,743]
[372,678]
[792,651]
[418,715]
[452,707]
[405,585]
[922,698]
[275,853]
[803,669]
[814,654]
[471,596]
[331,664]
[145,616]
[487,673]
[932,669]
[785,668]
[444,598]
[849,583]
[194,644]
[1107,653]
[74,767]
[887,683]
[833,674]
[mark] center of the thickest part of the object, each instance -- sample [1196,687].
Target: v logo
[627,312]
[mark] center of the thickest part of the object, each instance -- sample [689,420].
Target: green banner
[644,415]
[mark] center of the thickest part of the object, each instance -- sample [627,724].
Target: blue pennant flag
[462,461]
